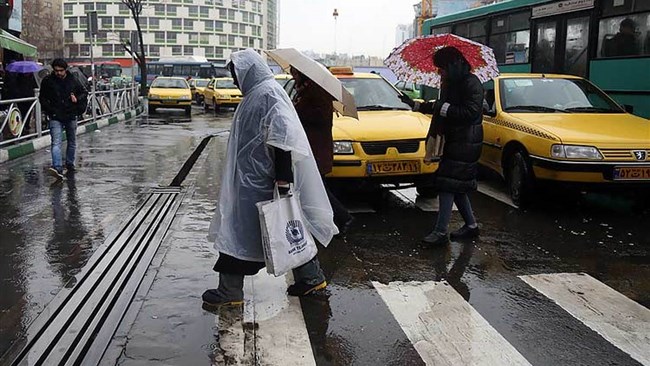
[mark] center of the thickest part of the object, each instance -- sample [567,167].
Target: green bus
[606,41]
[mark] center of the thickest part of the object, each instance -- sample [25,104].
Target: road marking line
[495,193]
[271,327]
[281,336]
[410,196]
[444,328]
[621,321]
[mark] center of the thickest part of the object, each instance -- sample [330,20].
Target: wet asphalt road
[48,232]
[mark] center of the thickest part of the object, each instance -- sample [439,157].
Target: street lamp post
[335,14]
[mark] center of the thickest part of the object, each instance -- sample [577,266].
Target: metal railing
[101,104]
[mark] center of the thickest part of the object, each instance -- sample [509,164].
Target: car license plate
[394,167]
[632,173]
[169,101]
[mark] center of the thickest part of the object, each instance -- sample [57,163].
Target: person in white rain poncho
[267,145]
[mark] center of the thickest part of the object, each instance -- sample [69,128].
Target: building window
[107,22]
[239,4]
[67,9]
[177,50]
[101,8]
[188,24]
[88,7]
[209,52]
[159,37]
[208,25]
[83,23]
[171,37]
[624,36]
[119,22]
[231,40]
[154,50]
[193,11]
[218,26]
[171,9]
[102,36]
[84,50]
[154,23]
[510,38]
[242,28]
[107,50]
[123,8]
[159,9]
[188,50]
[205,38]
[193,38]
[68,36]
[205,11]
[223,13]
[177,23]
[223,39]
[218,52]
[231,14]
[73,23]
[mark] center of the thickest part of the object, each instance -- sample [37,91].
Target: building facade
[205,28]
[42,26]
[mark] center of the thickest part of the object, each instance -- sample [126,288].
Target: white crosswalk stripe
[271,328]
[444,328]
[621,321]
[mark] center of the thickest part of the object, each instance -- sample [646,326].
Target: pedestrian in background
[62,99]
[457,115]
[267,146]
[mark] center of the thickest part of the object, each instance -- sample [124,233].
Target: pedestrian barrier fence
[22,119]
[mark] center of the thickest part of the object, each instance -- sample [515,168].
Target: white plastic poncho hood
[264,119]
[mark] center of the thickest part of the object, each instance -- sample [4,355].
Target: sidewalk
[30,146]
[166,325]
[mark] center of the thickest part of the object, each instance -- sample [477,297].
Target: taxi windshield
[373,94]
[225,84]
[201,83]
[554,95]
[169,83]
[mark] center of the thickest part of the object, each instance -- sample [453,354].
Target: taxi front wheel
[519,178]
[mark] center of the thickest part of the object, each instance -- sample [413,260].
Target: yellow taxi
[282,79]
[170,92]
[559,128]
[198,86]
[221,92]
[386,144]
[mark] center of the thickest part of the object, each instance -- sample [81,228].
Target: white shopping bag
[287,242]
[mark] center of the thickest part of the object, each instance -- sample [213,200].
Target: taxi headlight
[575,152]
[343,147]
[154,96]
[185,97]
[222,96]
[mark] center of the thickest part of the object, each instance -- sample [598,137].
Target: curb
[28,147]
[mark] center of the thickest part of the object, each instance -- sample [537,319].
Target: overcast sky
[363,27]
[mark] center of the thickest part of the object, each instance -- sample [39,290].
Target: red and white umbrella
[413,60]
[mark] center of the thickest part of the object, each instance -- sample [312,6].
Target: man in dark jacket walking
[62,99]
[457,115]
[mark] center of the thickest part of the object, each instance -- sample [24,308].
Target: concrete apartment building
[205,28]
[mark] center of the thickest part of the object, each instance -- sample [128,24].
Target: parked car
[170,92]
[221,92]
[409,88]
[386,143]
[198,88]
[560,128]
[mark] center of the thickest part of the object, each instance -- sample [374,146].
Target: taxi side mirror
[628,108]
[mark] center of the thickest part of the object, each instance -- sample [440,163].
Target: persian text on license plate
[632,173]
[393,167]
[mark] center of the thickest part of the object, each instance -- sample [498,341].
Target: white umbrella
[319,74]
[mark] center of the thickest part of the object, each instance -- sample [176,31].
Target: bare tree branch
[136,6]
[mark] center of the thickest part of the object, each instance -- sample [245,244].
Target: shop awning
[11,42]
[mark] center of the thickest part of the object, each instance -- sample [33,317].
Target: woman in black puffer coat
[457,115]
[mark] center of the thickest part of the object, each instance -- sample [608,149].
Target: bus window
[544,53]
[478,31]
[576,46]
[194,71]
[441,30]
[168,70]
[622,36]
[510,38]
